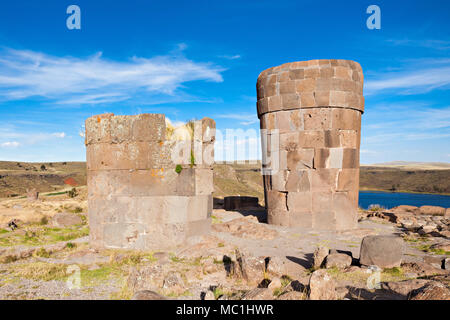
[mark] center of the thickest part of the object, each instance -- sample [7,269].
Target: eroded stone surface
[149,185]
[316,108]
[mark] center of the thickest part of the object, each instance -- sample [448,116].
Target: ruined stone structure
[316,106]
[148,187]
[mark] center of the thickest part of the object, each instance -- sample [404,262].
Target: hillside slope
[229,179]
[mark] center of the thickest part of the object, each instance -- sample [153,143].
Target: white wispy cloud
[244,119]
[424,43]
[10,144]
[231,57]
[14,137]
[418,80]
[95,79]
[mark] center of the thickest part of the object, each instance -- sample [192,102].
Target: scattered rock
[249,267]
[322,286]
[382,251]
[146,278]
[406,208]
[258,294]
[403,287]
[432,210]
[292,295]
[173,281]
[62,220]
[285,266]
[147,295]
[431,291]
[247,227]
[441,246]
[275,283]
[421,269]
[338,260]
[435,262]
[319,256]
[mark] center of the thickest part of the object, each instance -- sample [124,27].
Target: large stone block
[382,251]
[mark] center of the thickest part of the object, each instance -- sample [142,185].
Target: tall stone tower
[148,187]
[312,112]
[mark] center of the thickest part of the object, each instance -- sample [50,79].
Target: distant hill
[413,165]
[229,179]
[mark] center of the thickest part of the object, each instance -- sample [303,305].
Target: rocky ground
[48,257]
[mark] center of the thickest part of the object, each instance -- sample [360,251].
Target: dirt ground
[39,260]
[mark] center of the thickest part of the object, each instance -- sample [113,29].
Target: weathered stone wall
[138,197]
[316,106]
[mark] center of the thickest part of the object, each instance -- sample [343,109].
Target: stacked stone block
[313,110]
[143,193]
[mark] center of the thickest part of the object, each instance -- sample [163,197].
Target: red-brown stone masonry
[316,106]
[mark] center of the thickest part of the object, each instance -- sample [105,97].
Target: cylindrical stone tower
[148,187]
[312,112]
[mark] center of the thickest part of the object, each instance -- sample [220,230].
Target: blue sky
[190,59]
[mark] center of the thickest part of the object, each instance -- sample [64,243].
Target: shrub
[72,193]
[178,169]
[43,221]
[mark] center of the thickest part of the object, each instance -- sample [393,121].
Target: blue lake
[392,199]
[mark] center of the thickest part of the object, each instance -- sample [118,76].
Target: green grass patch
[427,248]
[56,193]
[36,235]
[42,253]
[40,271]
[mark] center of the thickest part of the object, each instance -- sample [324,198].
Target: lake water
[392,199]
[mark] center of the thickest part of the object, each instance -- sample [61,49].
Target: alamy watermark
[374,20]
[74,20]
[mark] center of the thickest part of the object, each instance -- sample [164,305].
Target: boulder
[285,266]
[433,261]
[173,283]
[447,212]
[382,251]
[432,211]
[406,209]
[431,291]
[338,260]
[319,256]
[322,286]
[249,267]
[421,269]
[247,227]
[275,283]
[292,295]
[403,288]
[258,294]
[62,220]
[445,246]
[146,278]
[446,263]
[147,295]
